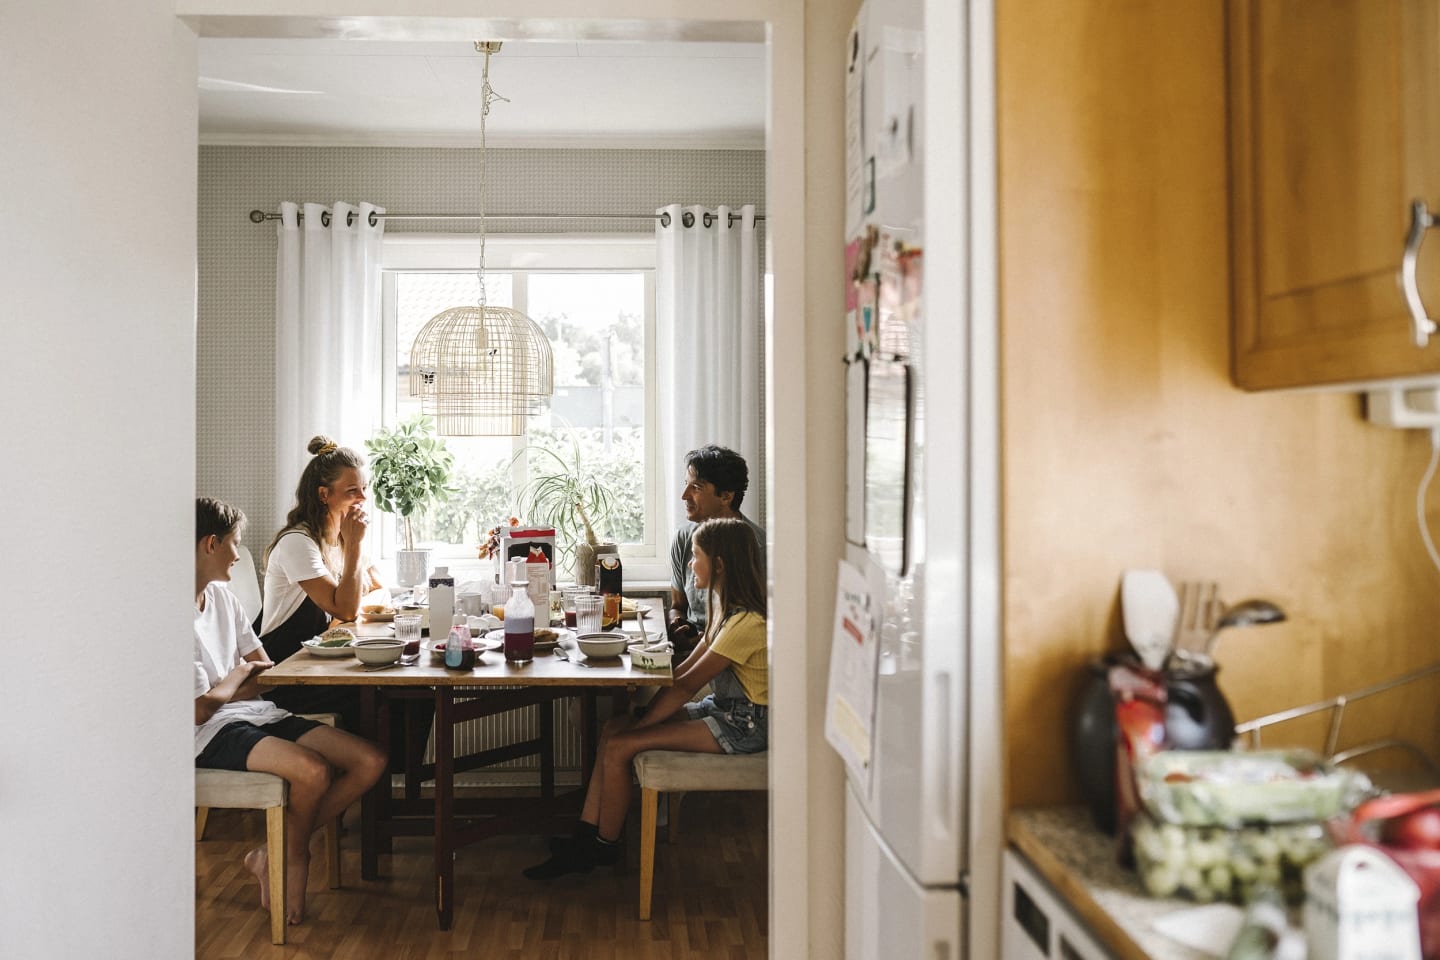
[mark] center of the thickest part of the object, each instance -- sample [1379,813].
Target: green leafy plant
[410,471]
[567,493]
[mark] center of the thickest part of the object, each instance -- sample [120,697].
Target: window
[595,300]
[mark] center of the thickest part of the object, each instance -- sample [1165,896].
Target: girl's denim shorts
[738,725]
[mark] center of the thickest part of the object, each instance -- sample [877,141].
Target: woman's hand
[353,526]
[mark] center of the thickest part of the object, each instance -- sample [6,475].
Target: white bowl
[377,651]
[602,644]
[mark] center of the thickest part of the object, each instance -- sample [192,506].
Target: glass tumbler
[407,631]
[587,613]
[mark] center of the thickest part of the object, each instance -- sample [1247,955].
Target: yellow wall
[1124,442]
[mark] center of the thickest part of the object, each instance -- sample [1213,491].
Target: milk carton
[1359,905]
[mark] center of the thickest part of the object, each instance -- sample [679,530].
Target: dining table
[494,685]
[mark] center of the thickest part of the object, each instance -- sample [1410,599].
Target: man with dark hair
[716,479]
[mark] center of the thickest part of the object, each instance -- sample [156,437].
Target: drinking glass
[567,604]
[587,613]
[407,631]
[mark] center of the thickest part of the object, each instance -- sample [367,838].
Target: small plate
[562,635]
[378,617]
[482,644]
[312,646]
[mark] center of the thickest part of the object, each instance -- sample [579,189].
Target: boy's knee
[312,775]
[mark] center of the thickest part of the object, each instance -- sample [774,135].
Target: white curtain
[708,343]
[327,333]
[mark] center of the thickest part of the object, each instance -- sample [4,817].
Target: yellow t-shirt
[742,641]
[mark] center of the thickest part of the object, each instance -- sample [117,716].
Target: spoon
[564,654]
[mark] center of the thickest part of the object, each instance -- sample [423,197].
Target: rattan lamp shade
[481,370]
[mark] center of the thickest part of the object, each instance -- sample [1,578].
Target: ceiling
[562,93]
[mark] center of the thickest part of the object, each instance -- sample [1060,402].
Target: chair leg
[332,852]
[649,804]
[275,849]
[672,830]
[202,816]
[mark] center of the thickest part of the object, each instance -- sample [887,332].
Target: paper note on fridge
[850,697]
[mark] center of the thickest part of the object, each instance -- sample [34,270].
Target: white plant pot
[411,567]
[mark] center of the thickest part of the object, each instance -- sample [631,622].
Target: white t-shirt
[222,639]
[295,558]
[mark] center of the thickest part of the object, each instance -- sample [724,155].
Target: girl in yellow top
[732,657]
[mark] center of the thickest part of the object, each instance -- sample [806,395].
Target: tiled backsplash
[236,336]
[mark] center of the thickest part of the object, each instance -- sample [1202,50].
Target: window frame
[523,256]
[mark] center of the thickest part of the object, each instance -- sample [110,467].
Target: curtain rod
[260,216]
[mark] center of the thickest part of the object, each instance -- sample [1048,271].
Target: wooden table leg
[589,735]
[444,806]
[547,749]
[373,798]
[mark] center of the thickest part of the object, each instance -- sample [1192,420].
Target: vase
[411,566]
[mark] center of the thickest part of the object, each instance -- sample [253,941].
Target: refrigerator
[922,487]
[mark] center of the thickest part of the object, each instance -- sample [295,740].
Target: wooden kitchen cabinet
[1334,130]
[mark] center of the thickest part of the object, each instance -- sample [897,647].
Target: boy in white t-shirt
[326,769]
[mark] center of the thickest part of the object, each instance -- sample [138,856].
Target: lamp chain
[487,96]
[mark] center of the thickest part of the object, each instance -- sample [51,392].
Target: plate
[378,617]
[312,646]
[562,635]
[482,644]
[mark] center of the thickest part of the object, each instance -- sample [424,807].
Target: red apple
[1417,830]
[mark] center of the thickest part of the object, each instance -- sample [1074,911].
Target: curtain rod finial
[257,216]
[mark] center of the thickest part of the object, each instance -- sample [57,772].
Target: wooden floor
[710,897]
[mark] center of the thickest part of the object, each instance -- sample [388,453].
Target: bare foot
[257,861]
[297,874]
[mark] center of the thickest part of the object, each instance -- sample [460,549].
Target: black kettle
[1197,717]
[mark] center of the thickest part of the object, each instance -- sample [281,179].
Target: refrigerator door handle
[940,762]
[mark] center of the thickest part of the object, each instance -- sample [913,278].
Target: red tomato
[1418,830]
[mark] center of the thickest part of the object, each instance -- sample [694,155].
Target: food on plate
[337,637]
[544,635]
[377,608]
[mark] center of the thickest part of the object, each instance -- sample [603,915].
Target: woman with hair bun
[315,570]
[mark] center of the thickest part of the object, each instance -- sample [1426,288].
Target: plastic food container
[1217,863]
[1205,788]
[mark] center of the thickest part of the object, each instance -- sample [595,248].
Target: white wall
[97,262]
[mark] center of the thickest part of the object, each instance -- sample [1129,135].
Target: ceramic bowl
[602,644]
[377,651]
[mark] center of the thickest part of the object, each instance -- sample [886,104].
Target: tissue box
[1359,905]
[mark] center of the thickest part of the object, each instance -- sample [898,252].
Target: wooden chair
[246,790]
[676,773]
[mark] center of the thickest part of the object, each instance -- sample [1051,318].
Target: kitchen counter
[1078,861]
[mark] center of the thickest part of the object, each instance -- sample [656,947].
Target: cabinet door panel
[1335,121]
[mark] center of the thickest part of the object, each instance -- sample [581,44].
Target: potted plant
[564,493]
[410,471]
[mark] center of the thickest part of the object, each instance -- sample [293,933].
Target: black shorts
[232,743]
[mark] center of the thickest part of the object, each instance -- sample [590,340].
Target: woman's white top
[294,559]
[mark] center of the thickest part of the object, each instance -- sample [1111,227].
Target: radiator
[514,726]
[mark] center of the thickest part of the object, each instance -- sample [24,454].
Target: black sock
[607,852]
[585,831]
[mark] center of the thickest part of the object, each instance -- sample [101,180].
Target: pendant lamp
[481,370]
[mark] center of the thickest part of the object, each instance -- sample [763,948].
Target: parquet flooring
[710,897]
